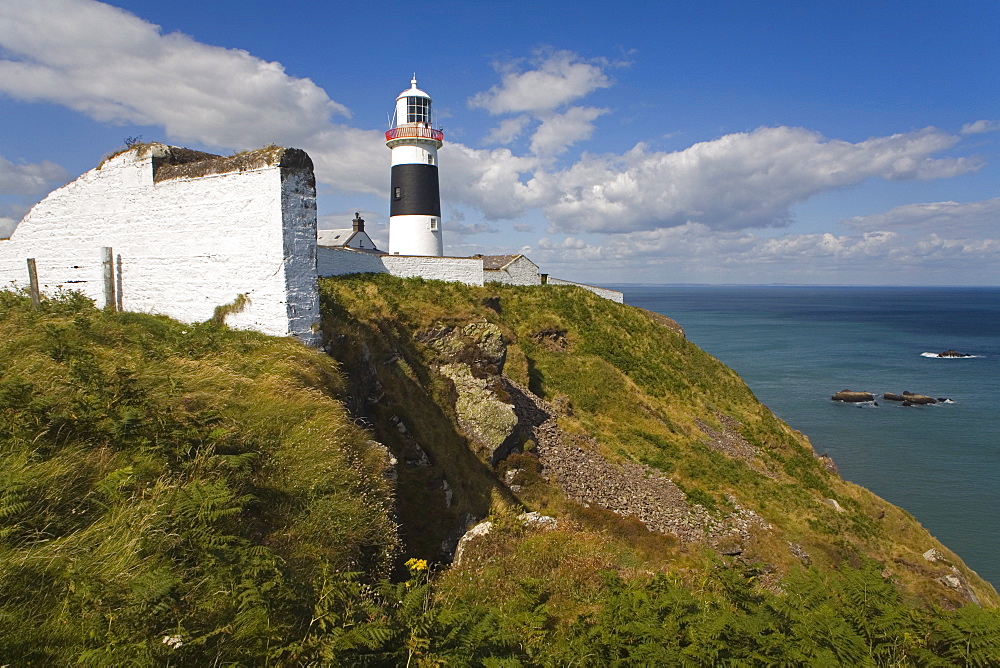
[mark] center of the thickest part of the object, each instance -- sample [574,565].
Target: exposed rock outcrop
[487,419]
[849,396]
[910,399]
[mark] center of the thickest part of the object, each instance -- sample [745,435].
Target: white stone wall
[521,271]
[613,295]
[338,262]
[183,245]
[468,270]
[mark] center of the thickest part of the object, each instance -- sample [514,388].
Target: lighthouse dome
[413,91]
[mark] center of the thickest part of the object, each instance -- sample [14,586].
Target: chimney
[359,222]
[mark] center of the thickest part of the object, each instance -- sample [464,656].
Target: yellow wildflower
[416,565]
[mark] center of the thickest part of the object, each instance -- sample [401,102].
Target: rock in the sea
[853,397]
[910,399]
[953,353]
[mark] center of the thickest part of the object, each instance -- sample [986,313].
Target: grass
[640,389]
[160,479]
[191,495]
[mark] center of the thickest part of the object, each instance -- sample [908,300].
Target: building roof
[499,262]
[342,238]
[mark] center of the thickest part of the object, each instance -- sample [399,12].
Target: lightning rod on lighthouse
[415,210]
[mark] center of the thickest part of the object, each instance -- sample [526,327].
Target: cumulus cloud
[508,130]
[29,178]
[558,132]
[975,218]
[748,179]
[7,226]
[697,253]
[497,182]
[116,67]
[557,79]
[979,127]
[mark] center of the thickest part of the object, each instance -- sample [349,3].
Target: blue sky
[709,142]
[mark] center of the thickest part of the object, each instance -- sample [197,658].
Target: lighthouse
[415,210]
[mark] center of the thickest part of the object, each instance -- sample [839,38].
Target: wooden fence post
[110,303]
[36,297]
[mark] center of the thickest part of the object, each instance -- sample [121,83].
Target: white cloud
[696,253]
[975,218]
[29,178]
[979,127]
[558,131]
[116,67]
[7,226]
[749,179]
[508,130]
[569,243]
[497,182]
[558,78]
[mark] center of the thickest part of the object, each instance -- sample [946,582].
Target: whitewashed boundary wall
[332,261]
[190,231]
[468,270]
[613,295]
[339,262]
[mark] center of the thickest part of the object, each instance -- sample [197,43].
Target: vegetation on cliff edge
[191,495]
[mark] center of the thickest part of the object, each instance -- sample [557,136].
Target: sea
[795,346]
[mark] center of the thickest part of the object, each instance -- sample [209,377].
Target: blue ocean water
[797,346]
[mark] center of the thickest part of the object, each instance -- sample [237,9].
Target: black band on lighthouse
[414,190]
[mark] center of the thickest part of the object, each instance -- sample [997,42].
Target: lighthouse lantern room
[415,210]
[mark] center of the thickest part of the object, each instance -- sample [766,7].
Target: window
[430,159]
[433,225]
[397,193]
[418,110]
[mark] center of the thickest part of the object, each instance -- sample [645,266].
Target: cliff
[554,400]
[191,494]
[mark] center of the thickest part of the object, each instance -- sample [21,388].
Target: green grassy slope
[643,394]
[190,495]
[173,492]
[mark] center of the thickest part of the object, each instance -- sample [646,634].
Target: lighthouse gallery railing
[423,133]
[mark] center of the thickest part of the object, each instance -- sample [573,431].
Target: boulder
[910,399]
[485,417]
[853,397]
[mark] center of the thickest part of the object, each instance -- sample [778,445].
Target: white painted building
[353,237]
[510,270]
[189,231]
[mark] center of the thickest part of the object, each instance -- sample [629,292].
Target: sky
[634,142]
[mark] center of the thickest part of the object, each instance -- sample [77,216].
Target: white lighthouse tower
[415,212]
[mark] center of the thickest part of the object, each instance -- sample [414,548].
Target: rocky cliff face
[499,400]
